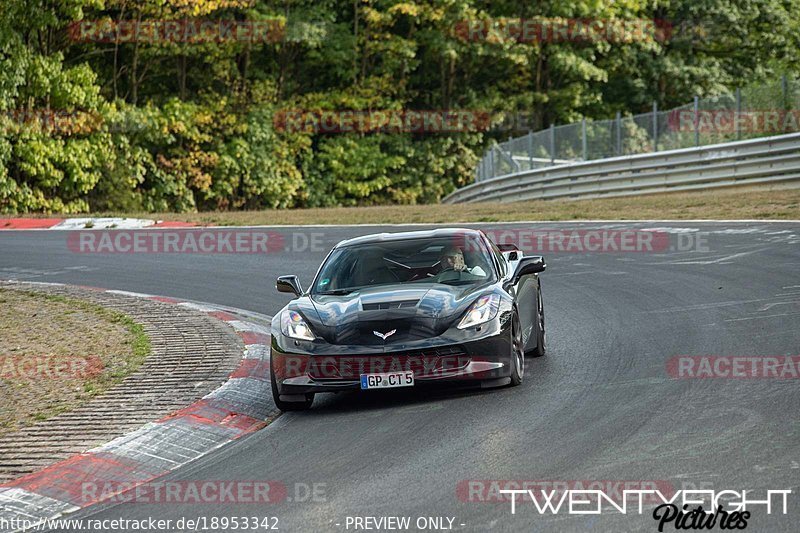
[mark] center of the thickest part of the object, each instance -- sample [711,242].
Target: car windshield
[452,260]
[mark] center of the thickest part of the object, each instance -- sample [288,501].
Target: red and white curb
[240,406]
[70,224]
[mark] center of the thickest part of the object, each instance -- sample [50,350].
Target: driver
[453,259]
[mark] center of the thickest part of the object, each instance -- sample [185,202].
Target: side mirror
[513,252]
[529,265]
[290,284]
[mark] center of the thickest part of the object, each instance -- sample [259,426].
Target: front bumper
[333,369]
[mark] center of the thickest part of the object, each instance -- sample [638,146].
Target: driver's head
[453,258]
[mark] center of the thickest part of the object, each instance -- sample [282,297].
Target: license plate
[387,380]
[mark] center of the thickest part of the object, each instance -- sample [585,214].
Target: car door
[526,295]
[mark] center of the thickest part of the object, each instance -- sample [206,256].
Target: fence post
[583,140]
[510,149]
[552,144]
[618,122]
[530,149]
[697,120]
[655,126]
[738,118]
[491,162]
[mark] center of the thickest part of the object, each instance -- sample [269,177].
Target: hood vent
[398,304]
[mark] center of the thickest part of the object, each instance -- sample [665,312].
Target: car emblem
[385,335]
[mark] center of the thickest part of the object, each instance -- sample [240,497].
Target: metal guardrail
[755,111]
[756,162]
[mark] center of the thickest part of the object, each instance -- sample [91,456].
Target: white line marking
[239,325]
[759,317]
[711,262]
[128,293]
[199,307]
[767,307]
[697,307]
[102,223]
[45,283]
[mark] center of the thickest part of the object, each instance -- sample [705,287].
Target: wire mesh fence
[771,109]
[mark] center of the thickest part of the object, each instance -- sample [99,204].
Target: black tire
[517,352]
[541,334]
[287,406]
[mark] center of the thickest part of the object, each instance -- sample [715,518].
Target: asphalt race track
[600,406]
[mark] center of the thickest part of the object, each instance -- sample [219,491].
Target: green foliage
[180,126]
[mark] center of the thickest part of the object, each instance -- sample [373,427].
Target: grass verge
[57,353]
[728,205]
[723,205]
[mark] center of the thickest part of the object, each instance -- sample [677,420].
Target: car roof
[409,235]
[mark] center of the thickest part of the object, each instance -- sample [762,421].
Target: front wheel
[517,353]
[541,334]
[283,405]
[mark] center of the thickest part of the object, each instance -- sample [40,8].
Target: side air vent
[400,304]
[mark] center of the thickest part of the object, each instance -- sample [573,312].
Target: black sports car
[407,309]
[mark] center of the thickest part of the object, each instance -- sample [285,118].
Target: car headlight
[483,310]
[293,326]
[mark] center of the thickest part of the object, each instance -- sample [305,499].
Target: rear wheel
[517,353]
[284,405]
